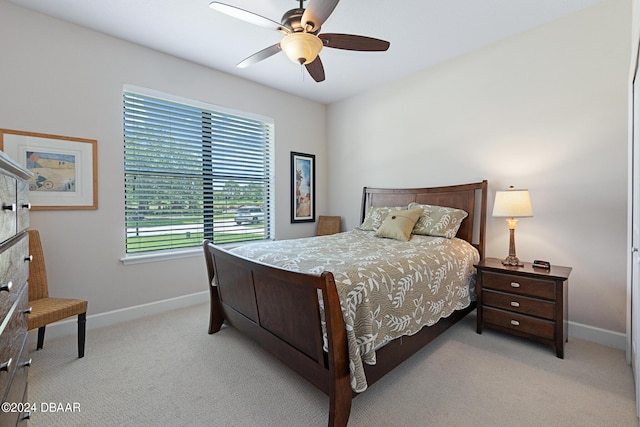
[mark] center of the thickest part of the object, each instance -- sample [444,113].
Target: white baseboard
[70,326]
[600,336]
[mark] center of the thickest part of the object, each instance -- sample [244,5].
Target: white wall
[545,110]
[60,79]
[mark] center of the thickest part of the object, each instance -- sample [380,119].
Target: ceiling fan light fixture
[301,48]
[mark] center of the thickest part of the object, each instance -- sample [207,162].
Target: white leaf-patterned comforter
[387,288]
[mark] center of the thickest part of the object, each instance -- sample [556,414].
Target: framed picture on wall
[303,191]
[65,169]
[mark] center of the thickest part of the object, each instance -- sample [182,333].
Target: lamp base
[512,261]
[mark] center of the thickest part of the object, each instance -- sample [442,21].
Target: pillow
[375,216]
[438,221]
[398,224]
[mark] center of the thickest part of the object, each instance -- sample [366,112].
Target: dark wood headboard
[471,198]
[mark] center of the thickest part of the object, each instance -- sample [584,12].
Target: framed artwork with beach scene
[303,181]
[64,168]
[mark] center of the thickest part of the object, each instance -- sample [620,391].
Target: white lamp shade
[512,203]
[301,48]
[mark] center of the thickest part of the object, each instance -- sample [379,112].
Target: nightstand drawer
[520,304]
[519,322]
[522,285]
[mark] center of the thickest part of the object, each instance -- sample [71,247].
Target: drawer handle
[28,258]
[26,206]
[27,362]
[515,304]
[515,323]
[4,367]
[11,207]
[515,284]
[27,311]
[6,287]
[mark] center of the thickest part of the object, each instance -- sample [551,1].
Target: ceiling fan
[301,42]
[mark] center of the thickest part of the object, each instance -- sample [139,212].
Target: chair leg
[40,337]
[82,327]
[82,323]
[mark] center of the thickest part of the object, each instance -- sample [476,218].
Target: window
[194,173]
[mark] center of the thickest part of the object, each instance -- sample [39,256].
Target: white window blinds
[192,174]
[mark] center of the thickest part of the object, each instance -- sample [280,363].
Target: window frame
[269,179]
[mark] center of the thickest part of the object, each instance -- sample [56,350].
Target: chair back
[38,287]
[328,225]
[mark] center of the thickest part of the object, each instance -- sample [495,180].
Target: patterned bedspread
[387,288]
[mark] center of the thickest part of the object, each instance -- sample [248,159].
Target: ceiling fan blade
[353,42]
[259,56]
[247,16]
[316,13]
[316,70]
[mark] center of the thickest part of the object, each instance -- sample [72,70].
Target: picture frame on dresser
[65,169]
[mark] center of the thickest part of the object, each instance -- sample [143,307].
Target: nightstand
[524,301]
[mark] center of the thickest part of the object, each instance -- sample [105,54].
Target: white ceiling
[422,33]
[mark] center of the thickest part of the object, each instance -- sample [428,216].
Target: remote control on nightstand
[542,264]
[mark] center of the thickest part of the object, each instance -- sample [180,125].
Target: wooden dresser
[524,301]
[14,294]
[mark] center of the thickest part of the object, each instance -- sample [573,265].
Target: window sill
[161,256]
[170,255]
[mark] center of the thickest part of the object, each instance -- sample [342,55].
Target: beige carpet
[167,371]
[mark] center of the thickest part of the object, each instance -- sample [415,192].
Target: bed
[303,305]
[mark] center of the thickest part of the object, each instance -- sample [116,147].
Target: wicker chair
[328,225]
[45,310]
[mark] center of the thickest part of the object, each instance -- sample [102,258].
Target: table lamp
[512,204]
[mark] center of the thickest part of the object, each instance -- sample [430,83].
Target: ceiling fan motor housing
[293,19]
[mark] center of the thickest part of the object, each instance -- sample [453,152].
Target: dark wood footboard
[280,310]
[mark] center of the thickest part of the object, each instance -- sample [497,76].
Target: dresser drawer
[519,322]
[522,285]
[23,206]
[12,338]
[519,304]
[13,269]
[18,387]
[8,207]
